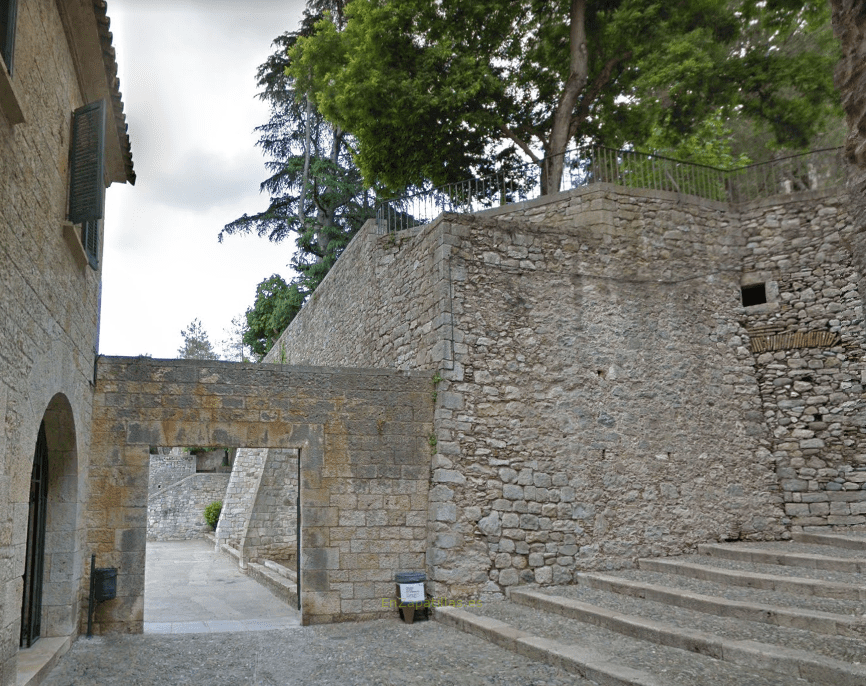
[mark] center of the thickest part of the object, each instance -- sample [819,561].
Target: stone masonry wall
[165,470]
[398,312]
[176,512]
[240,497]
[604,410]
[259,517]
[48,331]
[364,465]
[598,398]
[272,531]
[812,397]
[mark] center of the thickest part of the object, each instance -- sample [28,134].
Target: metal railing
[815,170]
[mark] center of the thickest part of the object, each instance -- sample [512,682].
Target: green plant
[282,352]
[432,441]
[212,513]
[435,381]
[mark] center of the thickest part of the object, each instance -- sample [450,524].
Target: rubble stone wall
[808,343]
[176,512]
[599,396]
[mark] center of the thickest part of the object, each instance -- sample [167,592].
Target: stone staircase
[742,614]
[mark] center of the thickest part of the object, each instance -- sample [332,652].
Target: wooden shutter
[86,163]
[8,12]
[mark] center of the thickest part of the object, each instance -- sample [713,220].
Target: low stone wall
[176,512]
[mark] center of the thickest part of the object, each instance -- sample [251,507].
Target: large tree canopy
[316,193]
[436,91]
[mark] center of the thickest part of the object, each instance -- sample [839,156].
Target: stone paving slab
[189,588]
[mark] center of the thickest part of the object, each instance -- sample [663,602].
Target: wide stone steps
[725,616]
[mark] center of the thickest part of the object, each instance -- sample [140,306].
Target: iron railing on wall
[815,170]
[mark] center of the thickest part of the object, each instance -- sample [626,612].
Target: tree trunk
[578,74]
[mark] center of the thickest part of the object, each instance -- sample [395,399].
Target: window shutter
[86,162]
[8,11]
[90,241]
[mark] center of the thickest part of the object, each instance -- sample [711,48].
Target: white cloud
[187,71]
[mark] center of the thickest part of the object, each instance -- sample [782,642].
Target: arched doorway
[34,563]
[53,569]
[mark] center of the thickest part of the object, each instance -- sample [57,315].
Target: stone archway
[50,596]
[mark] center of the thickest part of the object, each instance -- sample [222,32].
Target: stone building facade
[602,391]
[59,60]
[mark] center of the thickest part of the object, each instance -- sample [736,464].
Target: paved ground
[188,586]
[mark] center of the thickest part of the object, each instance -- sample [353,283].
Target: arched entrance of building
[52,570]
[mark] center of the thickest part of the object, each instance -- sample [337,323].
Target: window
[86,175]
[754,294]
[8,10]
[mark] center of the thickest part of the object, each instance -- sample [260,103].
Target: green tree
[276,304]
[316,192]
[196,345]
[434,91]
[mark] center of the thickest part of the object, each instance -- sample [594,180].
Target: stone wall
[49,312]
[176,512]
[598,396]
[167,469]
[808,344]
[272,530]
[398,312]
[259,517]
[364,465]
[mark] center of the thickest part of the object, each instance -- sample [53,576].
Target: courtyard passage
[193,595]
[190,589]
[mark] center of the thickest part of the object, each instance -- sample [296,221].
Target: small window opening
[755,294]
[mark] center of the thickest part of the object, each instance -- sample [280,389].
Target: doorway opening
[50,603]
[34,562]
[201,578]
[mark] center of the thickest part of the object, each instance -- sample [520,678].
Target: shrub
[212,513]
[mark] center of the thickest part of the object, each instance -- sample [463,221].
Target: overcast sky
[187,75]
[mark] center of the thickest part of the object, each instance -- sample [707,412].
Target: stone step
[776,555]
[617,658]
[745,653]
[851,541]
[282,570]
[284,588]
[757,580]
[795,618]
[587,664]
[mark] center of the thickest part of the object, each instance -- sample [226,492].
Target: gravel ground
[778,570]
[670,666]
[839,647]
[380,653]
